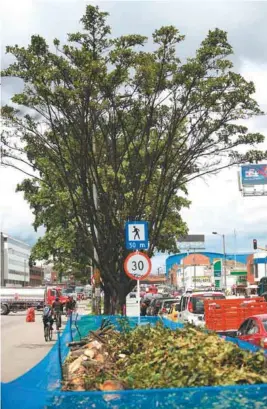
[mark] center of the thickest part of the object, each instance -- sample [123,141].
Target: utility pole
[96,258]
[24,273]
[195,283]
[235,246]
[224,253]
[224,264]
[2,259]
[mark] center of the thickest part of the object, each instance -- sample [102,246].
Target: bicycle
[48,332]
[58,319]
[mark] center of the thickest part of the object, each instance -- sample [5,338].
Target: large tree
[101,115]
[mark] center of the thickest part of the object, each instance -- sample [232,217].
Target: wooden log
[77,343]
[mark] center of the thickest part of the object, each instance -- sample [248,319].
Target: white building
[194,277]
[260,265]
[14,262]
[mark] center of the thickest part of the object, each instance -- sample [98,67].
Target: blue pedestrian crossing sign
[136,235]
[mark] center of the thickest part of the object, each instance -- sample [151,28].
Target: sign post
[137,266]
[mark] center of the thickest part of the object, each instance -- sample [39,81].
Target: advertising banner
[254,175]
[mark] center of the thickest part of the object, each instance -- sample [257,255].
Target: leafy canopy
[102,114]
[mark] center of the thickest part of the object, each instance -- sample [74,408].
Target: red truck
[244,318]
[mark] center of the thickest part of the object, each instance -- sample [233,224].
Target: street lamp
[224,252]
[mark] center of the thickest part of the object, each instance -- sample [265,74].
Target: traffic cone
[30,317]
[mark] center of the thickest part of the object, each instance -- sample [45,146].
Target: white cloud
[217,203]
[15,214]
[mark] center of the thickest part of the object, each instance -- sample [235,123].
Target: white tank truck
[16,299]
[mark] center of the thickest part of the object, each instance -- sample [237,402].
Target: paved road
[23,344]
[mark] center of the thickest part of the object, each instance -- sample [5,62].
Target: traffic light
[255,245]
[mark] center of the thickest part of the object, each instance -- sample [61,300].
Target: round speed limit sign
[137,265]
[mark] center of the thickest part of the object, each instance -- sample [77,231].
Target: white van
[191,307]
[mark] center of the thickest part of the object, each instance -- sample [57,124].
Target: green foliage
[136,125]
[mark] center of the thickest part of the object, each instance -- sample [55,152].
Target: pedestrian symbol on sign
[136,233]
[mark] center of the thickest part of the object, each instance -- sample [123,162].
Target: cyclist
[48,316]
[70,305]
[57,309]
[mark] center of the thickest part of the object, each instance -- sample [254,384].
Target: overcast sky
[217,205]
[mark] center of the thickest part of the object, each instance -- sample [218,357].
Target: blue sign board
[254,174]
[136,235]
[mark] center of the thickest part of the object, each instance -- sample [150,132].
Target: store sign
[217,268]
[192,242]
[201,279]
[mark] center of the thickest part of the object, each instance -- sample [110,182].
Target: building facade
[197,271]
[14,264]
[36,276]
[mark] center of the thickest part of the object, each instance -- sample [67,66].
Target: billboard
[192,242]
[253,175]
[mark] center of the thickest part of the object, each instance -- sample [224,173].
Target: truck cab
[51,293]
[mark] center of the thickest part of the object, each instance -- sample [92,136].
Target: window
[198,302]
[167,304]
[18,263]
[264,323]
[252,328]
[183,303]
[242,329]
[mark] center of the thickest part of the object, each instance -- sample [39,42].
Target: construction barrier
[40,387]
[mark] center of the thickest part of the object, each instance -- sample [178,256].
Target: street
[22,344]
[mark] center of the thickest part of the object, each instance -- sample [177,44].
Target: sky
[217,204]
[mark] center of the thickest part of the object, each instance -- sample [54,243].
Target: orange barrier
[30,317]
[228,315]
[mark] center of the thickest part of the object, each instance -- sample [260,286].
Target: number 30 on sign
[137,265]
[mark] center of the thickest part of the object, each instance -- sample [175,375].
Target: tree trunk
[107,303]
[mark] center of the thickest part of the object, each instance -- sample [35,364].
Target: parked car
[154,305]
[165,305]
[144,304]
[80,293]
[254,330]
[173,312]
[192,306]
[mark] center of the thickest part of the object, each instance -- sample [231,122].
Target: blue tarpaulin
[40,387]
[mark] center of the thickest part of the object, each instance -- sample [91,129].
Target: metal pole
[24,272]
[224,252]
[138,298]
[97,283]
[235,247]
[195,268]
[2,258]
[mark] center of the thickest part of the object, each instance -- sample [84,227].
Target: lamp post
[24,273]
[224,252]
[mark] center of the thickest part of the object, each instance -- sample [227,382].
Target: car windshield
[168,303]
[264,322]
[198,302]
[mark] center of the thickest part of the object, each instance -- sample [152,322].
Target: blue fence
[40,387]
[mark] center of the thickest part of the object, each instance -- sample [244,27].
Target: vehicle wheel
[46,333]
[4,309]
[50,334]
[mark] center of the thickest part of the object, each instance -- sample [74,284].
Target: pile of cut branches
[157,357]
